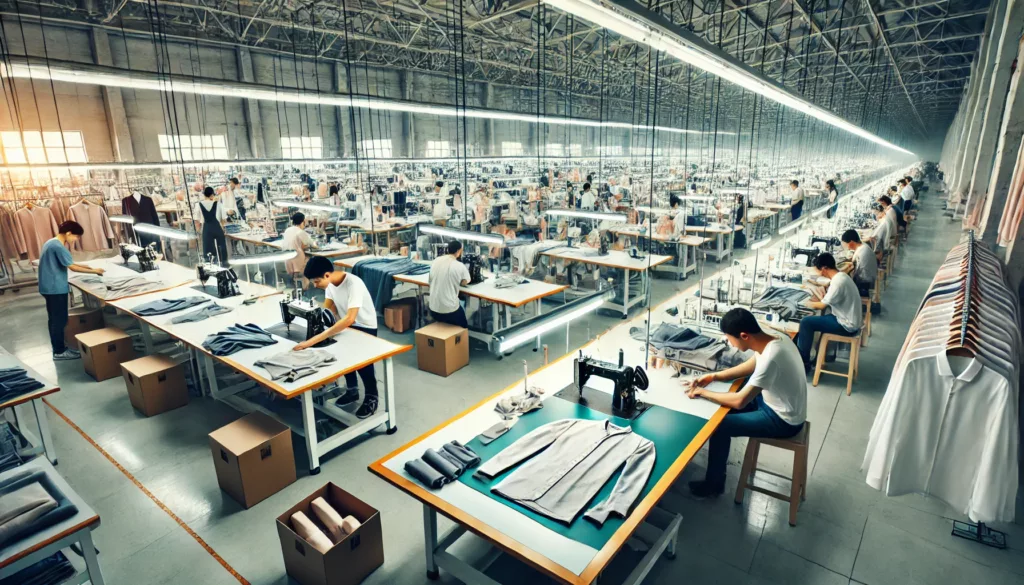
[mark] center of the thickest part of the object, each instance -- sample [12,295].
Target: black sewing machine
[475,264]
[227,280]
[627,381]
[811,253]
[318,319]
[146,256]
[831,242]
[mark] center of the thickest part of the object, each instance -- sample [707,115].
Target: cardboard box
[253,457]
[348,562]
[103,352]
[442,348]
[398,315]
[156,384]
[82,320]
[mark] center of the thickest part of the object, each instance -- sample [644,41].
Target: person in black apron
[214,241]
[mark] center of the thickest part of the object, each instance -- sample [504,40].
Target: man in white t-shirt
[772,404]
[908,194]
[798,200]
[349,299]
[447,274]
[588,199]
[864,266]
[844,300]
[879,238]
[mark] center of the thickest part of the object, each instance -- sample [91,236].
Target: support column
[1006,49]
[974,120]
[492,149]
[1007,150]
[250,108]
[113,102]
[345,138]
[408,124]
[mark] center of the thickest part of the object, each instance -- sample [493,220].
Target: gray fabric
[466,456]
[292,365]
[705,358]
[120,286]
[783,300]
[426,474]
[20,509]
[672,336]
[578,458]
[164,306]
[450,470]
[512,406]
[497,430]
[236,338]
[202,314]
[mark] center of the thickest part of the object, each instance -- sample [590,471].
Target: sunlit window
[302,147]
[193,147]
[42,147]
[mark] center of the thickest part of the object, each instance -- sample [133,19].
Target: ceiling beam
[896,66]
[799,5]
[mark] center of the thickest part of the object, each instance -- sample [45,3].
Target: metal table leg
[44,431]
[309,428]
[147,336]
[430,540]
[390,405]
[540,309]
[625,294]
[92,562]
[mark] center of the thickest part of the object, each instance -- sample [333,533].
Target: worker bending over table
[54,262]
[844,300]
[772,404]
[863,268]
[296,238]
[348,298]
[447,274]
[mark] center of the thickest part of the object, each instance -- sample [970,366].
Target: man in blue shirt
[54,262]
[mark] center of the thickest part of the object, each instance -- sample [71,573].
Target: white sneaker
[69,354]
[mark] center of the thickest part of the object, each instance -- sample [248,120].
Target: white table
[167,276]
[615,259]
[44,443]
[331,251]
[686,249]
[78,529]
[723,235]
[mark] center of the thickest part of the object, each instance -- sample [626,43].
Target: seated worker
[350,300]
[772,404]
[879,239]
[844,300]
[447,274]
[296,238]
[864,266]
[893,213]
[679,221]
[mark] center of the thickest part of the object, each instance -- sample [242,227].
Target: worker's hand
[98,271]
[304,345]
[702,381]
[695,391]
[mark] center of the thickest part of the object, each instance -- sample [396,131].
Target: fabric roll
[450,470]
[466,456]
[425,474]
[330,518]
[309,532]
[350,525]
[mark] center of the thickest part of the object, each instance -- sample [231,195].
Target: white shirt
[882,234]
[780,375]
[679,222]
[844,300]
[227,200]
[587,200]
[197,214]
[865,265]
[798,195]
[294,237]
[908,193]
[352,293]
[446,276]
[890,216]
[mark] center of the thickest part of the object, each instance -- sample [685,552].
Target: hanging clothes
[143,209]
[37,225]
[99,234]
[12,243]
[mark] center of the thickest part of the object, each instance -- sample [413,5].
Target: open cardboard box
[348,562]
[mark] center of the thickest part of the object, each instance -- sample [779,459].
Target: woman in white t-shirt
[296,238]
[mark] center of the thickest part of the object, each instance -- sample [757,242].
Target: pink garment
[37,225]
[11,241]
[98,231]
[1014,208]
[293,239]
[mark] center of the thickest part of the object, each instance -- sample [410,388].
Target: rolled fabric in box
[466,456]
[426,474]
[447,468]
[309,532]
[330,518]
[350,525]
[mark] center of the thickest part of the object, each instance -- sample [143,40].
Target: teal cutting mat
[669,430]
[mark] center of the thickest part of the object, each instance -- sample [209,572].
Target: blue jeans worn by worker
[757,420]
[817,324]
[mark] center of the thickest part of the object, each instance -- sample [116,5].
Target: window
[511,149]
[42,147]
[575,150]
[302,147]
[377,148]
[193,147]
[554,149]
[438,148]
[609,150]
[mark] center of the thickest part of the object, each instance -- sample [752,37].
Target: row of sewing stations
[623,380]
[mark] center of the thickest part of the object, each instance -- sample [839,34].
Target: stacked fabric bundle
[683,345]
[202,314]
[443,466]
[15,382]
[30,503]
[118,287]
[785,301]
[236,338]
[379,276]
[164,306]
[292,365]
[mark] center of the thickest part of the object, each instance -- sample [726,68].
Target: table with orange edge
[510,532]
[44,444]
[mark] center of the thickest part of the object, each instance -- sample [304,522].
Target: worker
[908,194]
[211,214]
[229,197]
[842,298]
[588,198]
[347,297]
[54,262]
[833,198]
[863,267]
[771,405]
[798,200]
[447,275]
[679,220]
[880,237]
[297,238]
[441,212]
[896,197]
[892,213]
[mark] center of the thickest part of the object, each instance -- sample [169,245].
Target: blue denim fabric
[817,324]
[756,420]
[379,276]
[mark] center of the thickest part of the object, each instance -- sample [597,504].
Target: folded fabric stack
[332,527]
[683,345]
[785,301]
[121,286]
[379,276]
[29,503]
[236,338]
[164,306]
[443,466]
[15,382]
[202,314]
[292,365]
[52,570]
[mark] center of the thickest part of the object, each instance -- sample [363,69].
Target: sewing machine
[318,319]
[831,242]
[227,280]
[475,264]
[146,256]
[627,380]
[811,254]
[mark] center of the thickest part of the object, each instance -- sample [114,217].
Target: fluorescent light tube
[543,326]
[762,243]
[286,203]
[263,258]
[491,240]
[655,210]
[163,232]
[793,225]
[598,215]
[122,219]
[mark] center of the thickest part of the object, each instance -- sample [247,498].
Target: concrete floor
[170,529]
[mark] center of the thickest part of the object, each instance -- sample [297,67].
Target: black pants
[796,210]
[368,374]
[456,317]
[215,244]
[57,315]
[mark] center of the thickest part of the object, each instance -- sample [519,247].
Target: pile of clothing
[113,287]
[164,306]
[511,408]
[29,503]
[443,466]
[236,338]
[292,365]
[683,345]
[52,570]
[15,382]
[787,302]
[202,314]
[379,276]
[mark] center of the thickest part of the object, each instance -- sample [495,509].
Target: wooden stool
[865,331]
[851,373]
[799,445]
